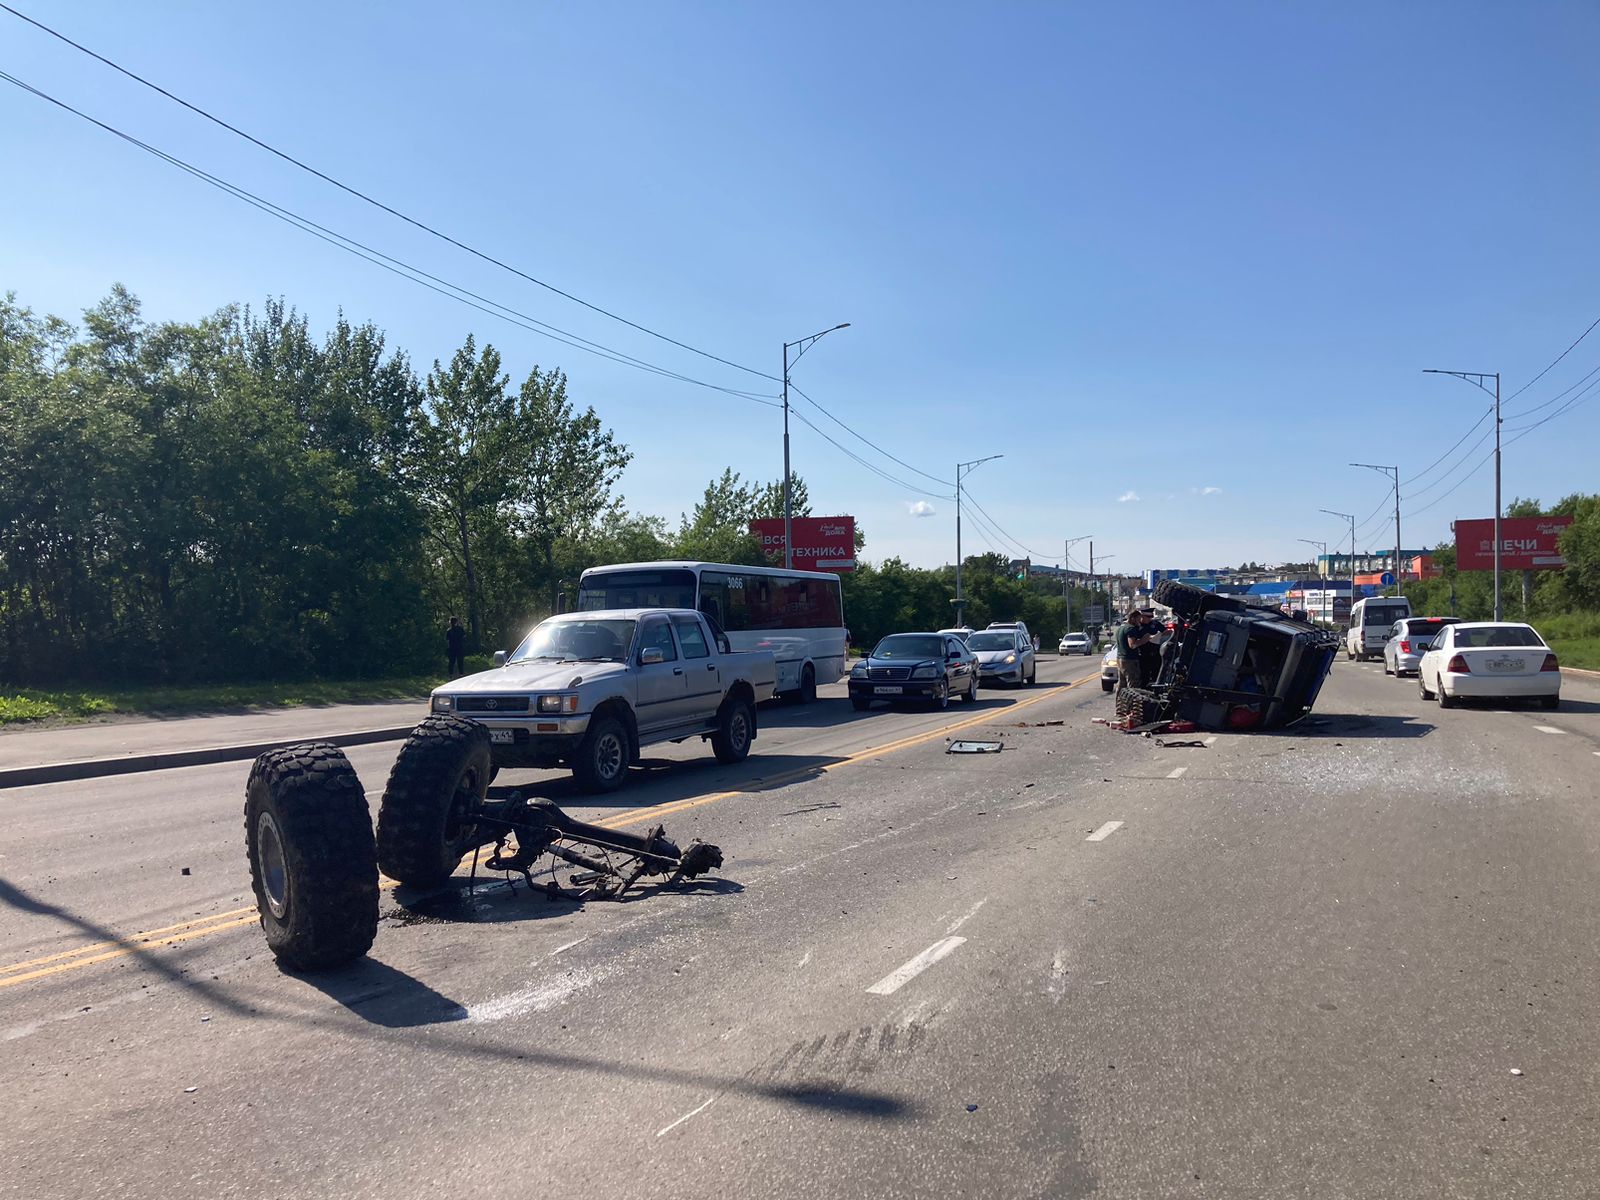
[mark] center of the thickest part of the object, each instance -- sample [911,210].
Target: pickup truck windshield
[576,641]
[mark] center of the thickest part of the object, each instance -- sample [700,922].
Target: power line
[1029,552]
[1558,358]
[1487,434]
[914,489]
[394,212]
[1482,462]
[1587,394]
[1452,450]
[1528,412]
[868,441]
[387,262]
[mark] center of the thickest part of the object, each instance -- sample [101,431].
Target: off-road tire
[596,767]
[312,864]
[425,820]
[1141,706]
[736,729]
[860,703]
[1189,601]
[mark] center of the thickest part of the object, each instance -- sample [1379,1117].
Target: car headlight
[1010,658]
[567,703]
[925,673]
[859,671]
[442,703]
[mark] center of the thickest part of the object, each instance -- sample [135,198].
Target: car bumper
[899,689]
[1501,687]
[1011,674]
[1109,674]
[1407,662]
[542,741]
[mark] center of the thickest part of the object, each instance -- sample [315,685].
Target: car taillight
[1405,647]
[1458,666]
[1550,663]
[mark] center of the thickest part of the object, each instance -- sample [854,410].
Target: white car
[1075,643]
[1500,660]
[1108,670]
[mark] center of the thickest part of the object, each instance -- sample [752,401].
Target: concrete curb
[96,768]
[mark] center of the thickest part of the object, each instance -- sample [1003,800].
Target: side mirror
[650,656]
[499,658]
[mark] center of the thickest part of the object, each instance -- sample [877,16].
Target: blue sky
[1193,254]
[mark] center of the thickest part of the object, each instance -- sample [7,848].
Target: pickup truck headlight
[925,673]
[442,704]
[558,704]
[1010,658]
[859,671]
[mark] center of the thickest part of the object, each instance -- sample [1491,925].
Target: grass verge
[1574,636]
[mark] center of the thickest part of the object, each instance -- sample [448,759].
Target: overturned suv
[1231,666]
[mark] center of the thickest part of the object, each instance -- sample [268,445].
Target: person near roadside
[455,642]
[1150,652]
[1132,637]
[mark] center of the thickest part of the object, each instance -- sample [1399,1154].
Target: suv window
[655,635]
[692,637]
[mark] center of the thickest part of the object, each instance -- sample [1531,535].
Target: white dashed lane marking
[1548,729]
[900,976]
[1176,772]
[1105,831]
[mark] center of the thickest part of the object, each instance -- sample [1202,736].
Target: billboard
[1526,544]
[820,543]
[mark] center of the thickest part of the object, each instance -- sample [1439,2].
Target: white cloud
[920,508]
[1206,491]
[1127,496]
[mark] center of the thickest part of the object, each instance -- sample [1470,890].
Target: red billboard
[820,543]
[1526,544]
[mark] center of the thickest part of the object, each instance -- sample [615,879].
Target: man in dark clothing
[1130,641]
[1150,652]
[455,640]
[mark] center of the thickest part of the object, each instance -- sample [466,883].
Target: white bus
[798,615]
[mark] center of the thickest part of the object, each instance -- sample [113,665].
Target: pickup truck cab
[589,690]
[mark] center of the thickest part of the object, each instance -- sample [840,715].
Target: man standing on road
[455,640]
[1131,639]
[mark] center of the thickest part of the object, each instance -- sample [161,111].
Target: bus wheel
[808,685]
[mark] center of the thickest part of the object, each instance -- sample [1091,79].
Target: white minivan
[1370,622]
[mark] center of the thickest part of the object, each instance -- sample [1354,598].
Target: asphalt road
[1355,959]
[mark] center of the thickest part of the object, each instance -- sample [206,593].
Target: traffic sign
[1387,579]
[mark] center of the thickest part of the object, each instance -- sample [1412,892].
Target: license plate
[502,737]
[888,690]
[1506,665]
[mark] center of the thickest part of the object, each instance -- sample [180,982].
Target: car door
[1428,668]
[663,689]
[1025,652]
[957,670]
[702,678]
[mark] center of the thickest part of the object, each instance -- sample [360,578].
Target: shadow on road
[383,995]
[1352,725]
[658,781]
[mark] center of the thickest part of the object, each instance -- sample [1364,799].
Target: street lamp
[1066,578]
[1322,551]
[1476,378]
[805,344]
[1352,519]
[961,469]
[1399,571]
[1109,596]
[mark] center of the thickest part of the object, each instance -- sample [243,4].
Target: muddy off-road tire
[312,864]
[736,729]
[1139,705]
[425,820]
[1189,601]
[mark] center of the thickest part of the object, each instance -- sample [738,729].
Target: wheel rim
[943,698]
[271,866]
[739,732]
[608,756]
[458,822]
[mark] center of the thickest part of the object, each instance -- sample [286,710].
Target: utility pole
[1351,518]
[1066,566]
[1399,571]
[961,470]
[1476,378]
[805,344]
[1322,549]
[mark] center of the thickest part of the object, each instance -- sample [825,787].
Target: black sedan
[915,666]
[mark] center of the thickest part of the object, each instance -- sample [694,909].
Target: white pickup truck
[589,690]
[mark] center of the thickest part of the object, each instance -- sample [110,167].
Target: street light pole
[805,344]
[1399,571]
[961,470]
[1476,378]
[1066,567]
[1322,549]
[1351,518]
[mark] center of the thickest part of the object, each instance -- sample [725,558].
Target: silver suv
[1005,653]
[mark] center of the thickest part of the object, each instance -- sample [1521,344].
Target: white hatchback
[1499,660]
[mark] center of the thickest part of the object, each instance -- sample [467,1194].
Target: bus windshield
[669,587]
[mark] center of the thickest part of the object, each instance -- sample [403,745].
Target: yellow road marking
[84,956]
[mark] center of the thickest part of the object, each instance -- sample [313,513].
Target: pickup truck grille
[889,673]
[492,704]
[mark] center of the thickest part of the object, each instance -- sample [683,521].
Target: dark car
[915,666]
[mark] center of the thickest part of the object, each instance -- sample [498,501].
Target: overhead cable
[1558,358]
[913,488]
[867,441]
[394,212]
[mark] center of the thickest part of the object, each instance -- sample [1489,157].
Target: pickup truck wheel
[735,729]
[425,819]
[312,866]
[601,763]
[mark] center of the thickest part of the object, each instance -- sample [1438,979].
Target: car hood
[874,664]
[993,656]
[533,676]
